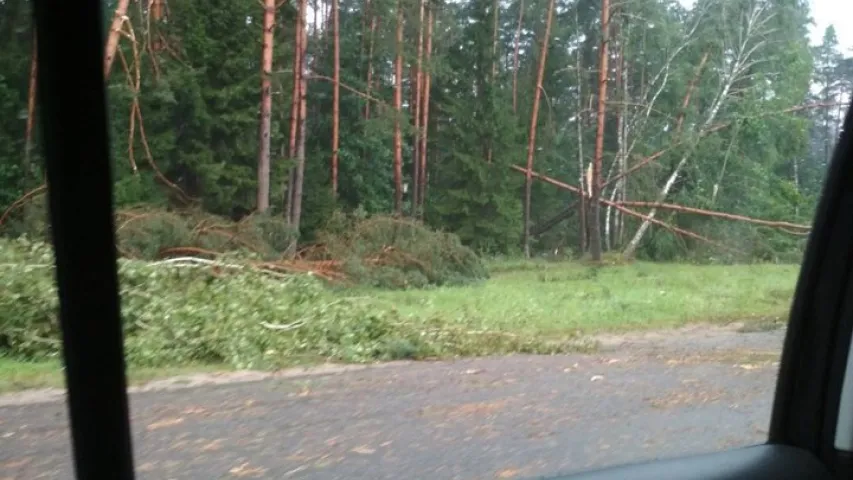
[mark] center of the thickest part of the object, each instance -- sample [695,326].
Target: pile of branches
[390,252]
[152,234]
[378,251]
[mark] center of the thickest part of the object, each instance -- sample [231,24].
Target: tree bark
[595,221]
[113,36]
[515,57]
[299,178]
[624,132]
[579,122]
[336,95]
[425,113]
[31,106]
[690,88]
[398,114]
[263,200]
[156,8]
[370,48]
[531,142]
[416,103]
[294,111]
[494,76]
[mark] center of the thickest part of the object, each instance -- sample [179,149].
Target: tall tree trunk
[685,102]
[336,95]
[494,76]
[299,177]
[114,35]
[156,7]
[425,113]
[398,114]
[595,221]
[294,111]
[496,15]
[624,132]
[612,232]
[263,201]
[416,103]
[370,48]
[515,57]
[31,106]
[531,142]
[579,124]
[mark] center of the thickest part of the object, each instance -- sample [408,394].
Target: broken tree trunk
[625,210]
[754,22]
[119,17]
[531,141]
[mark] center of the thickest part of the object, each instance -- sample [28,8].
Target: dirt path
[643,397]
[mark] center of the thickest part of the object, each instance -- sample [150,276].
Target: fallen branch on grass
[21,201]
[282,328]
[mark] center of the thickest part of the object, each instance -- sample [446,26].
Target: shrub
[393,253]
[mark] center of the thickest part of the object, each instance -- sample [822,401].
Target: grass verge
[16,375]
[527,307]
[549,298]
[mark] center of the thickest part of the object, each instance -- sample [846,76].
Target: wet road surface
[509,417]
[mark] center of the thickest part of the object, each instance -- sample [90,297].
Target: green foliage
[184,314]
[393,253]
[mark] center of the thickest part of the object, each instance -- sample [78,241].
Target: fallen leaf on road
[146,467]
[508,473]
[16,463]
[364,450]
[245,470]
[212,446]
[169,422]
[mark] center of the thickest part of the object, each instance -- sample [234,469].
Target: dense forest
[523,126]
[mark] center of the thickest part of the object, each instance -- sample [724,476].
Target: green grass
[18,375]
[551,301]
[555,298]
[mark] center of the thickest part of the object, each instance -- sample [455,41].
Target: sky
[833,12]
[825,13]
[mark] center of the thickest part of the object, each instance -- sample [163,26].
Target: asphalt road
[510,417]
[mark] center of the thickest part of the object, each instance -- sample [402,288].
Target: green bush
[393,253]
